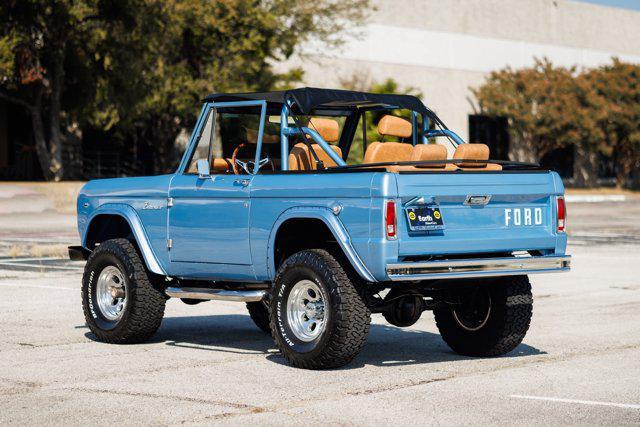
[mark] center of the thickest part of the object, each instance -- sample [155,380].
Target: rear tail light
[562,214]
[390,220]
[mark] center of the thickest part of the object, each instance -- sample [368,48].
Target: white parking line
[16,285]
[51,258]
[580,402]
[40,266]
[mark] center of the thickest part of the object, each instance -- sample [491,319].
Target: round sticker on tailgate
[436,214]
[412,216]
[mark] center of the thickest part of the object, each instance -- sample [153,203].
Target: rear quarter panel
[274,194]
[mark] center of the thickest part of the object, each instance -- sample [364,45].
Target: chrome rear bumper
[477,267]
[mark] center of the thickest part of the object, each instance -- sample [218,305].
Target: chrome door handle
[243,182]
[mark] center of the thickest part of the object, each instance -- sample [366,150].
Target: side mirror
[204,170]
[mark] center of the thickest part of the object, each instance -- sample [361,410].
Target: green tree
[53,55]
[547,107]
[618,104]
[135,69]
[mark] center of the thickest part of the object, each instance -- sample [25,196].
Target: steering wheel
[235,162]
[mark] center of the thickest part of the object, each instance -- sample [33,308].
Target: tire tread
[352,317]
[146,308]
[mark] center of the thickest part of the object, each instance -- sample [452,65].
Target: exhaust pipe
[216,294]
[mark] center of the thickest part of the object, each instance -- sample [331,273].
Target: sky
[625,4]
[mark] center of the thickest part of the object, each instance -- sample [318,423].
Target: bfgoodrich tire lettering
[346,317]
[503,329]
[143,303]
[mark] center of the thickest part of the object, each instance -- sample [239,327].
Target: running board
[217,294]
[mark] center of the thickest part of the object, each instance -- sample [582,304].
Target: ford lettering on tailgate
[522,216]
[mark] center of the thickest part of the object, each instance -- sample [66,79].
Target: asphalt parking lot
[579,364]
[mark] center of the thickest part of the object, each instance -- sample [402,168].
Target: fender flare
[130,215]
[332,222]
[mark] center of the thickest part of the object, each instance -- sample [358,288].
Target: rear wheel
[488,320]
[120,303]
[259,313]
[318,320]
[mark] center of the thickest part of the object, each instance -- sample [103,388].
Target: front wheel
[318,320]
[120,303]
[488,320]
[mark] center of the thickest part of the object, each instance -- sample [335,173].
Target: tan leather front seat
[328,129]
[474,152]
[218,166]
[301,159]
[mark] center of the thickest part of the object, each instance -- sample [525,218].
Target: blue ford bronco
[283,201]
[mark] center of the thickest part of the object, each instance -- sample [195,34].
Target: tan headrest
[472,152]
[328,129]
[429,152]
[301,158]
[382,152]
[394,126]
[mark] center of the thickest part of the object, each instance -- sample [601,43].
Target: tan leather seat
[426,152]
[301,159]
[394,126]
[382,152]
[431,152]
[218,166]
[328,129]
[474,152]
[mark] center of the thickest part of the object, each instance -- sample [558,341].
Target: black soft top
[307,99]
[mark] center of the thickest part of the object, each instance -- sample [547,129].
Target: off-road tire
[505,328]
[144,302]
[348,317]
[259,313]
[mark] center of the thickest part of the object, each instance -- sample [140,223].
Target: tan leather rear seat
[394,126]
[382,152]
[431,152]
[426,152]
[475,152]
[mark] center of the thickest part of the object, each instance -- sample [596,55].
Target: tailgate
[482,212]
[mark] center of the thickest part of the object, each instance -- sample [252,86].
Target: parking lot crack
[392,387]
[188,399]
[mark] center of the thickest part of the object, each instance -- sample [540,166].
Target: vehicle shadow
[236,334]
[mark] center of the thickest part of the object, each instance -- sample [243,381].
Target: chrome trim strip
[216,294]
[477,267]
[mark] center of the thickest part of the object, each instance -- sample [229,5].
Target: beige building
[444,47]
